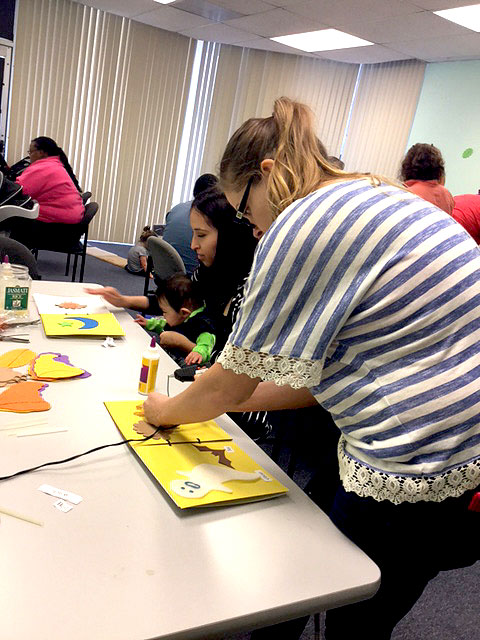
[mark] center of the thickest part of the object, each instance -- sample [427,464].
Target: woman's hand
[194,358]
[109,294]
[152,409]
[141,321]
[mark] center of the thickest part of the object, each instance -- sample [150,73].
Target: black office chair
[18,253]
[67,238]
[86,195]
[164,260]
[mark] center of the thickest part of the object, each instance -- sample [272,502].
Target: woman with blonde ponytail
[362,298]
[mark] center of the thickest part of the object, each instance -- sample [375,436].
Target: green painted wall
[448,116]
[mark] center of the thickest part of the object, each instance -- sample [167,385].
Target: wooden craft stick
[19,516]
[22,424]
[38,433]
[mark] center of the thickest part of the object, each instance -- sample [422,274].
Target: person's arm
[111,295]
[204,346]
[174,340]
[268,396]
[155,324]
[219,390]
[143,262]
[214,393]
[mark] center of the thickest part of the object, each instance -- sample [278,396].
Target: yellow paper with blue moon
[97,324]
[200,465]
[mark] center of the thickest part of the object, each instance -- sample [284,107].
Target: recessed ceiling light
[323,40]
[468,17]
[164,1]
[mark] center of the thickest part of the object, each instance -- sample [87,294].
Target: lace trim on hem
[368,482]
[295,372]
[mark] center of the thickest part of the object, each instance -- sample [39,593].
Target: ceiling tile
[442,49]
[278,22]
[218,33]
[365,55]
[172,19]
[124,8]
[344,13]
[438,5]
[408,27]
[270,45]
[247,7]
[207,9]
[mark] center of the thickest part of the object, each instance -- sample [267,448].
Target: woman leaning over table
[362,298]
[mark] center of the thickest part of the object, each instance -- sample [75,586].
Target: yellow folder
[96,324]
[197,464]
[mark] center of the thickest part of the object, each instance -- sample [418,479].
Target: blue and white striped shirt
[370,297]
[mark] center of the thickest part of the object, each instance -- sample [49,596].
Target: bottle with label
[15,284]
[148,372]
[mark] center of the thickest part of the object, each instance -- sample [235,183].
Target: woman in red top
[423,172]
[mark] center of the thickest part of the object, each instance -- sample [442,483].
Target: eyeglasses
[243,203]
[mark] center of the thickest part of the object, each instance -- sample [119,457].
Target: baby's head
[178,297]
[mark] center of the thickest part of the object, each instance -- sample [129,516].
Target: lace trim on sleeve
[272,368]
[368,482]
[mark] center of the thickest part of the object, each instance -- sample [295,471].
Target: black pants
[34,233]
[410,543]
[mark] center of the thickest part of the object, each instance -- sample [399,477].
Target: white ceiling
[400,29]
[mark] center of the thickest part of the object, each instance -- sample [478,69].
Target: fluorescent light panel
[323,40]
[164,1]
[468,17]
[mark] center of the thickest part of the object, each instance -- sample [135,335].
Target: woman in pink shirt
[423,173]
[50,180]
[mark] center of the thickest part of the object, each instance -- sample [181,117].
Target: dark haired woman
[51,182]
[423,172]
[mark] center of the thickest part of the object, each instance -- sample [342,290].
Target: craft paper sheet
[98,324]
[197,464]
[69,305]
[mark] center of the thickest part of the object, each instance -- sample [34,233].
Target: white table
[126,563]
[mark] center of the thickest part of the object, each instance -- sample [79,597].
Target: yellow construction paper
[196,474]
[96,324]
[16,358]
[125,415]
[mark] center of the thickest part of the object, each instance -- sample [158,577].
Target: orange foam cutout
[16,358]
[24,397]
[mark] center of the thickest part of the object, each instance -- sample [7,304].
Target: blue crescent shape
[88,323]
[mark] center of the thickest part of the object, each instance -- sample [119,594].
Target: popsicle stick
[22,424]
[19,516]
[38,433]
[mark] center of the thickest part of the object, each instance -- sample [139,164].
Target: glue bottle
[148,372]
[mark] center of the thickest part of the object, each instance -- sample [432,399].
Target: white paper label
[62,506]
[263,475]
[59,493]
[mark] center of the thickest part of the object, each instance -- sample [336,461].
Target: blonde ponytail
[288,138]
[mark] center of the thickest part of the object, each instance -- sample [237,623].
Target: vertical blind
[248,81]
[382,116]
[112,92]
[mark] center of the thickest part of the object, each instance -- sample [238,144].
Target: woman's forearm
[270,397]
[207,398]
[137,303]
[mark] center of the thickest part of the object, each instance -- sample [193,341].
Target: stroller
[14,203]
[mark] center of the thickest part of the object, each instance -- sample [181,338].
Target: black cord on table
[79,455]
